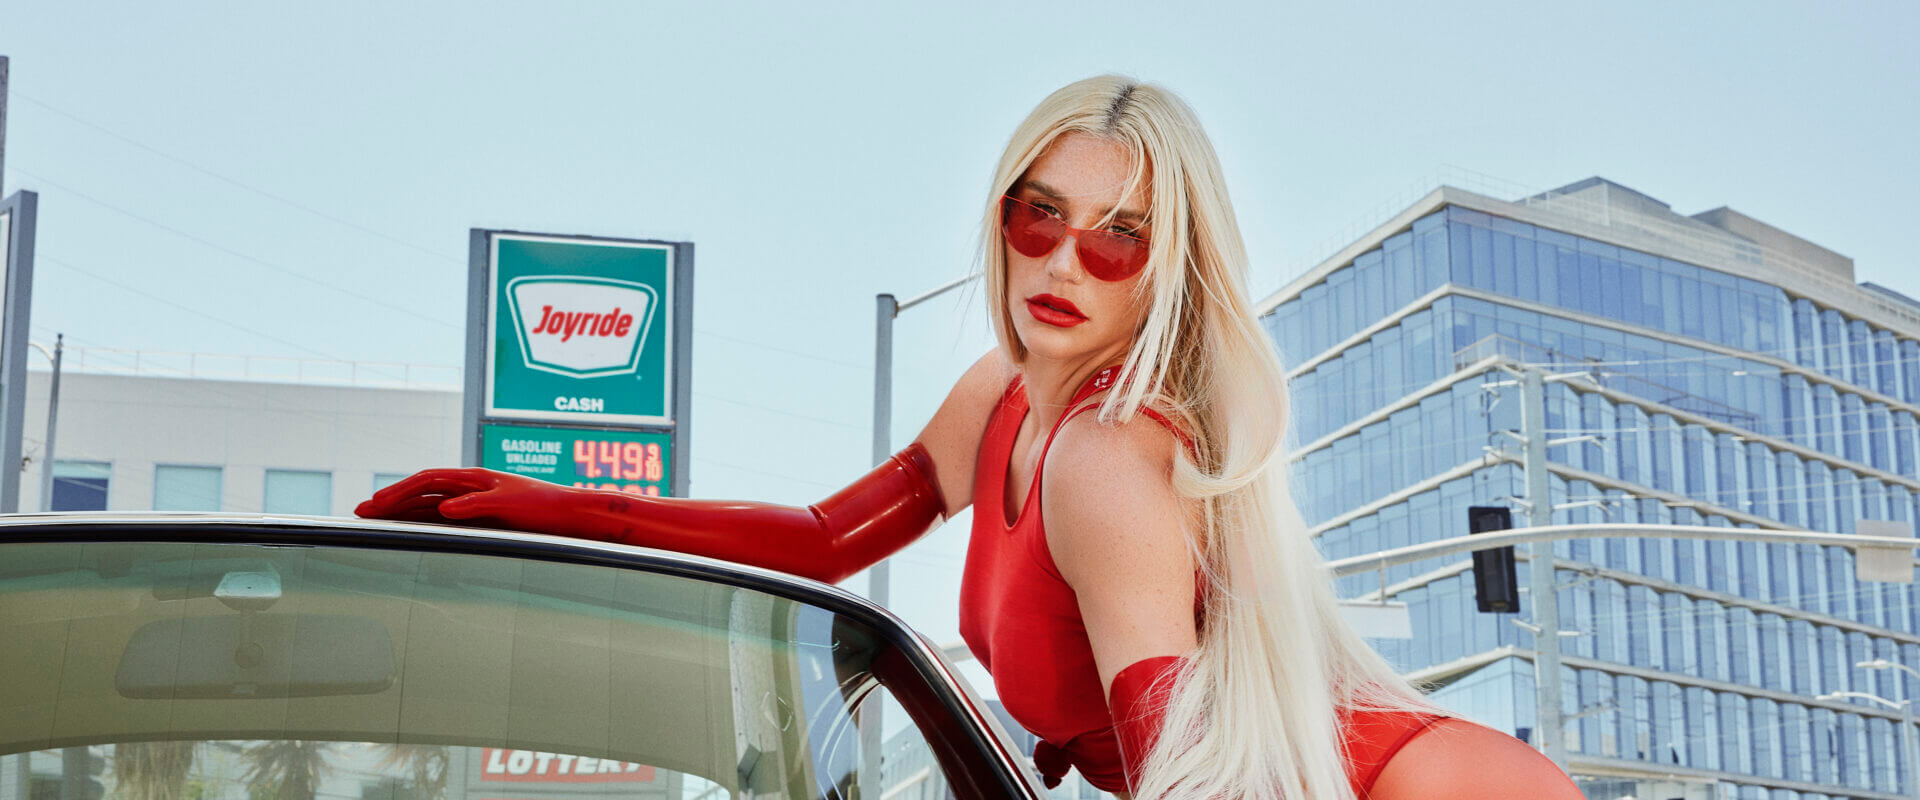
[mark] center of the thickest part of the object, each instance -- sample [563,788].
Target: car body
[251,657]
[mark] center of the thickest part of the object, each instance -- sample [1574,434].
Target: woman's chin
[1055,343]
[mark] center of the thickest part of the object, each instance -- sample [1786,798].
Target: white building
[175,432]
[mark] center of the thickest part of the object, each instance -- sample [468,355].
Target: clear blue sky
[299,180]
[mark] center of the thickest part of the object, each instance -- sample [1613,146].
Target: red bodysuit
[1021,619]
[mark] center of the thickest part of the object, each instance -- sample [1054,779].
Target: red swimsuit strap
[1103,380]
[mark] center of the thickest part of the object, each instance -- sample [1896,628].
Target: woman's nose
[1064,262]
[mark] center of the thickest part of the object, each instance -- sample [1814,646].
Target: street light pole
[885,309]
[1906,721]
[1906,724]
[879,577]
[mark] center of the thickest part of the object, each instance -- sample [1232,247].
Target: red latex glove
[829,541]
[1138,702]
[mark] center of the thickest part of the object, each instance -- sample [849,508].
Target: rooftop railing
[267,369]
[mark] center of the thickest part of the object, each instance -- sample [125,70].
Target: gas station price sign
[579,354]
[631,461]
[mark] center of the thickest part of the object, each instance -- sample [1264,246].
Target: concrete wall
[135,423]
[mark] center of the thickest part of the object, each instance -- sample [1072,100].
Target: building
[140,431]
[1736,376]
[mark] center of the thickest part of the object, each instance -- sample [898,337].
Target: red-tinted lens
[1030,230]
[1111,256]
[1106,255]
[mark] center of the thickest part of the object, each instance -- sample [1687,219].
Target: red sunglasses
[1106,255]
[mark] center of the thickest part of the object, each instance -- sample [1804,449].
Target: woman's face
[1060,311]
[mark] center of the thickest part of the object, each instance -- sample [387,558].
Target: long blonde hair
[1252,714]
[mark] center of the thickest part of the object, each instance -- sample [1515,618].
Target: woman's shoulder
[1453,758]
[1149,436]
[989,377]
[1107,493]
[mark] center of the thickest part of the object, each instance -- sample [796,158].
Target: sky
[299,180]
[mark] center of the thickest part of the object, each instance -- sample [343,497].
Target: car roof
[354,531]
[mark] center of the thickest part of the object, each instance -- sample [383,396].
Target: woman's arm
[953,436]
[828,541]
[870,519]
[1120,537]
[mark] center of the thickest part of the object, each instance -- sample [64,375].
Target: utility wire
[330,218]
[292,273]
[232,182]
[163,301]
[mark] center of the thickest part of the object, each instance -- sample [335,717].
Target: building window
[291,491]
[382,480]
[183,488]
[80,485]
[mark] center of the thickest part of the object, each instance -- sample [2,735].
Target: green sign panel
[580,330]
[629,461]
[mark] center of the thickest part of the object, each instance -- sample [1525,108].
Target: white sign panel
[582,327]
[1885,564]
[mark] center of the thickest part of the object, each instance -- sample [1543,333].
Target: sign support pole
[3,126]
[20,212]
[680,480]
[473,397]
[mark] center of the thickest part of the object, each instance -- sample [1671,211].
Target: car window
[193,671]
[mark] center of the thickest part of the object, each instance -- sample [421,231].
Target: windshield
[196,671]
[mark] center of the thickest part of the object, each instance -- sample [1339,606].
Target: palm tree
[285,769]
[152,770]
[426,767]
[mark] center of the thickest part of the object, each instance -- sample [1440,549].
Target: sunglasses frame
[1128,253]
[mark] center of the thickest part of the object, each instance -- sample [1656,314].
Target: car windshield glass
[191,671]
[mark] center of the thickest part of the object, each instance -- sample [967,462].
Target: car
[266,657]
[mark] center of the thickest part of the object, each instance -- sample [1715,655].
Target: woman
[1138,583]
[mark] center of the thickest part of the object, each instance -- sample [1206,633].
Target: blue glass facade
[1720,399]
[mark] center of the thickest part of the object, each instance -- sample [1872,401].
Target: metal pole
[1546,597]
[53,418]
[76,772]
[3,126]
[871,727]
[884,310]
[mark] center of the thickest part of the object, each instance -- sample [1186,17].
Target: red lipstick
[1056,311]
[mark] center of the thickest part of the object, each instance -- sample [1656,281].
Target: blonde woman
[1138,581]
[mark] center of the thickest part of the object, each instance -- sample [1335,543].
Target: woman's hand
[474,496]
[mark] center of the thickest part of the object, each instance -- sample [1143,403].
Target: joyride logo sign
[580,329]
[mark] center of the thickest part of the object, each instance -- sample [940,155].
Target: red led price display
[635,462]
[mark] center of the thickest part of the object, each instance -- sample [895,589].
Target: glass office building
[1733,375]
